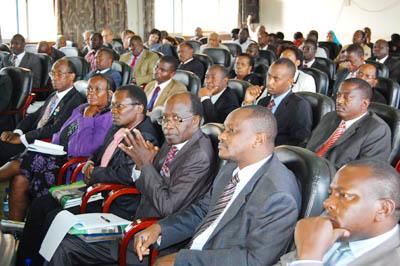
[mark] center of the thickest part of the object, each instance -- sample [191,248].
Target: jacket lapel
[139,63]
[165,92]
[282,106]
[327,131]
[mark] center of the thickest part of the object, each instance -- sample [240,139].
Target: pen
[105,219]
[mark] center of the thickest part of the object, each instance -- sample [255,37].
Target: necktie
[271,105]
[165,171]
[332,139]
[219,207]
[48,111]
[14,60]
[118,136]
[153,99]
[340,253]
[133,63]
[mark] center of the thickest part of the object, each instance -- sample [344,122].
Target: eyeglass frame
[122,106]
[161,120]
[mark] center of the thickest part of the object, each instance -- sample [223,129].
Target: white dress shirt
[303,82]
[19,58]
[382,60]
[244,45]
[309,63]
[214,98]
[245,176]
[349,123]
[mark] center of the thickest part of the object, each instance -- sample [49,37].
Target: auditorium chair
[329,64]
[81,86]
[392,117]
[45,61]
[269,55]
[383,71]
[333,48]
[203,40]
[179,39]
[81,66]
[196,45]
[31,48]
[205,60]
[239,87]
[21,97]
[3,54]
[124,70]
[234,48]
[320,78]
[219,56]
[189,79]
[70,51]
[320,105]
[391,90]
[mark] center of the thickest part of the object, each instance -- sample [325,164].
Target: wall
[135,16]
[342,16]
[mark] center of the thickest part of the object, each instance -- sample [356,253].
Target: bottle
[6,208]
[28,262]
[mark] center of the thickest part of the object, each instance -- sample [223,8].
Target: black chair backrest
[45,61]
[313,173]
[205,60]
[196,45]
[81,86]
[235,48]
[31,48]
[321,79]
[3,55]
[383,71]
[81,66]
[179,39]
[261,66]
[189,79]
[392,117]
[320,105]
[239,87]
[124,70]
[333,48]
[219,56]
[391,90]
[212,130]
[70,51]
[21,79]
[269,55]
[204,40]
[329,64]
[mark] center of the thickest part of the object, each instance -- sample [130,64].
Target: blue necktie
[340,253]
[153,99]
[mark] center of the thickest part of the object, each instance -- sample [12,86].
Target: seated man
[309,53]
[49,118]
[302,81]
[104,60]
[110,43]
[351,132]
[293,113]
[45,48]
[217,98]
[198,34]
[141,60]
[319,52]
[167,185]
[163,87]
[213,42]
[61,42]
[96,42]
[381,55]
[125,37]
[188,62]
[20,58]
[263,42]
[247,217]
[360,226]
[86,42]
[359,38]
[244,64]
[244,39]
[368,72]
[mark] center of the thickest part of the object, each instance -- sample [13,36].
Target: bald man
[188,62]
[213,42]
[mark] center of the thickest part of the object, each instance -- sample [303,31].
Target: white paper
[47,148]
[98,220]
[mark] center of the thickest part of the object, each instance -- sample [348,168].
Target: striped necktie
[165,171]
[153,99]
[219,207]
[332,139]
[48,111]
[271,105]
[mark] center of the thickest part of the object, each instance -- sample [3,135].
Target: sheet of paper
[56,233]
[99,220]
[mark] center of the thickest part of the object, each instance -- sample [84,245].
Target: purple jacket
[89,135]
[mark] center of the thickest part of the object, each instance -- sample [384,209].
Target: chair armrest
[96,189]
[64,168]
[76,171]
[131,230]
[28,102]
[115,194]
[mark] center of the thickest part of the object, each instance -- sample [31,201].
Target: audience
[217,98]
[198,34]
[358,39]
[86,42]
[154,43]
[96,42]
[381,55]
[331,37]
[254,33]
[244,39]
[188,62]
[264,42]
[320,52]
[298,39]
[45,48]
[309,53]
[125,37]
[213,42]
[61,42]
[235,34]
[368,72]
[360,226]
[351,132]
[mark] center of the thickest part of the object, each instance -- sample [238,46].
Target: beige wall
[342,16]
[135,16]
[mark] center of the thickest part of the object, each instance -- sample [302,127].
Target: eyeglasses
[173,119]
[53,74]
[120,106]
[95,90]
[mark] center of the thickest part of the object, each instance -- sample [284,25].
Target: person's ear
[385,209]
[261,139]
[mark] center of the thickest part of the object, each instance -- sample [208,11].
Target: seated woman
[243,70]
[32,173]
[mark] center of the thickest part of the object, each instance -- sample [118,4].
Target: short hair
[289,65]
[187,44]
[157,32]
[263,121]
[298,35]
[70,66]
[245,30]
[355,49]
[18,36]
[362,86]
[110,82]
[386,178]
[96,34]
[126,32]
[235,31]
[280,35]
[376,69]
[314,32]
[136,94]
[312,42]
[170,60]
[108,51]
[250,58]
[135,38]
[297,52]
[222,69]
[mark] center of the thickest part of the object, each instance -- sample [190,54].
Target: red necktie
[133,63]
[332,139]
[118,136]
[165,171]
[271,105]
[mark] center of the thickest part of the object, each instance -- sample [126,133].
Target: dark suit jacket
[294,119]
[378,97]
[340,77]
[255,230]
[393,65]
[111,73]
[6,88]
[226,103]
[30,61]
[367,138]
[194,66]
[56,54]
[61,113]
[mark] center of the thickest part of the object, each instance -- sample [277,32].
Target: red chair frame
[64,168]
[398,166]
[23,109]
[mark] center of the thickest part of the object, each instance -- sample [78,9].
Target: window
[183,16]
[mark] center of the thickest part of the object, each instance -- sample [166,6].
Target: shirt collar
[180,145]
[383,59]
[350,122]
[61,94]
[309,64]
[164,84]
[278,99]
[187,61]
[215,97]
[19,56]
[248,171]
[103,71]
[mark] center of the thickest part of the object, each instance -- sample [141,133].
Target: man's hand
[10,137]
[252,93]
[203,92]
[168,260]
[142,152]
[144,239]
[249,19]
[314,236]
[87,171]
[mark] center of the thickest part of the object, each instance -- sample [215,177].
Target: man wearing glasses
[49,118]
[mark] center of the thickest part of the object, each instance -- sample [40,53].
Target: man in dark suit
[360,226]
[309,52]
[247,217]
[351,132]
[381,55]
[368,72]
[188,62]
[49,118]
[167,186]
[104,60]
[293,114]
[20,58]
[6,89]
[264,43]
[45,48]
[217,98]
